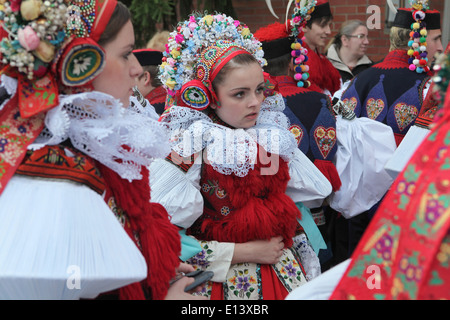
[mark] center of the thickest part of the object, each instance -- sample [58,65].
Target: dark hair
[153,70]
[321,21]
[120,16]
[235,62]
[278,66]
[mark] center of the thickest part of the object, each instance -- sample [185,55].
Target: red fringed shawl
[241,209]
[158,238]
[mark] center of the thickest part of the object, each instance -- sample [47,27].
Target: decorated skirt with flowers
[250,281]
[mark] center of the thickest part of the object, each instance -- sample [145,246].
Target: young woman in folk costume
[235,171]
[74,151]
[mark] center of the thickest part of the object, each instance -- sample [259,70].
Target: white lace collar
[231,151]
[123,139]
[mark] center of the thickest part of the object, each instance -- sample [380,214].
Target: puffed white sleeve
[177,191]
[364,147]
[307,183]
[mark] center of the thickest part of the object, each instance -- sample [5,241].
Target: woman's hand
[185,268]
[176,290]
[259,251]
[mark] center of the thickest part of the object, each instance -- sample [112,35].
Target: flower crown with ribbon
[302,13]
[196,51]
[51,46]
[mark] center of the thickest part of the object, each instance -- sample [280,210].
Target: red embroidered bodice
[241,209]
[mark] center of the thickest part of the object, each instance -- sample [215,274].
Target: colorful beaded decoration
[184,70]
[188,40]
[418,47]
[81,18]
[195,95]
[83,59]
[198,92]
[301,15]
[82,62]
[300,55]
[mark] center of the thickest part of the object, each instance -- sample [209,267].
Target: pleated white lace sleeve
[60,240]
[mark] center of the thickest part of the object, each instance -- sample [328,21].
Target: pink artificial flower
[192,25]
[171,61]
[179,38]
[28,38]
[218,17]
[236,23]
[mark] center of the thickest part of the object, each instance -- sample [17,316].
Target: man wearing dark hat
[316,35]
[148,83]
[393,90]
[309,112]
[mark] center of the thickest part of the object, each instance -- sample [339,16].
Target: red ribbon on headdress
[104,10]
[223,59]
[204,82]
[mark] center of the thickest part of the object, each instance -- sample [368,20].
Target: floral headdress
[301,15]
[193,52]
[37,51]
[34,30]
[51,44]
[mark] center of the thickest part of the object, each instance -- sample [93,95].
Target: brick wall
[256,14]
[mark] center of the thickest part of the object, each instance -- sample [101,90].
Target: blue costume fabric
[313,124]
